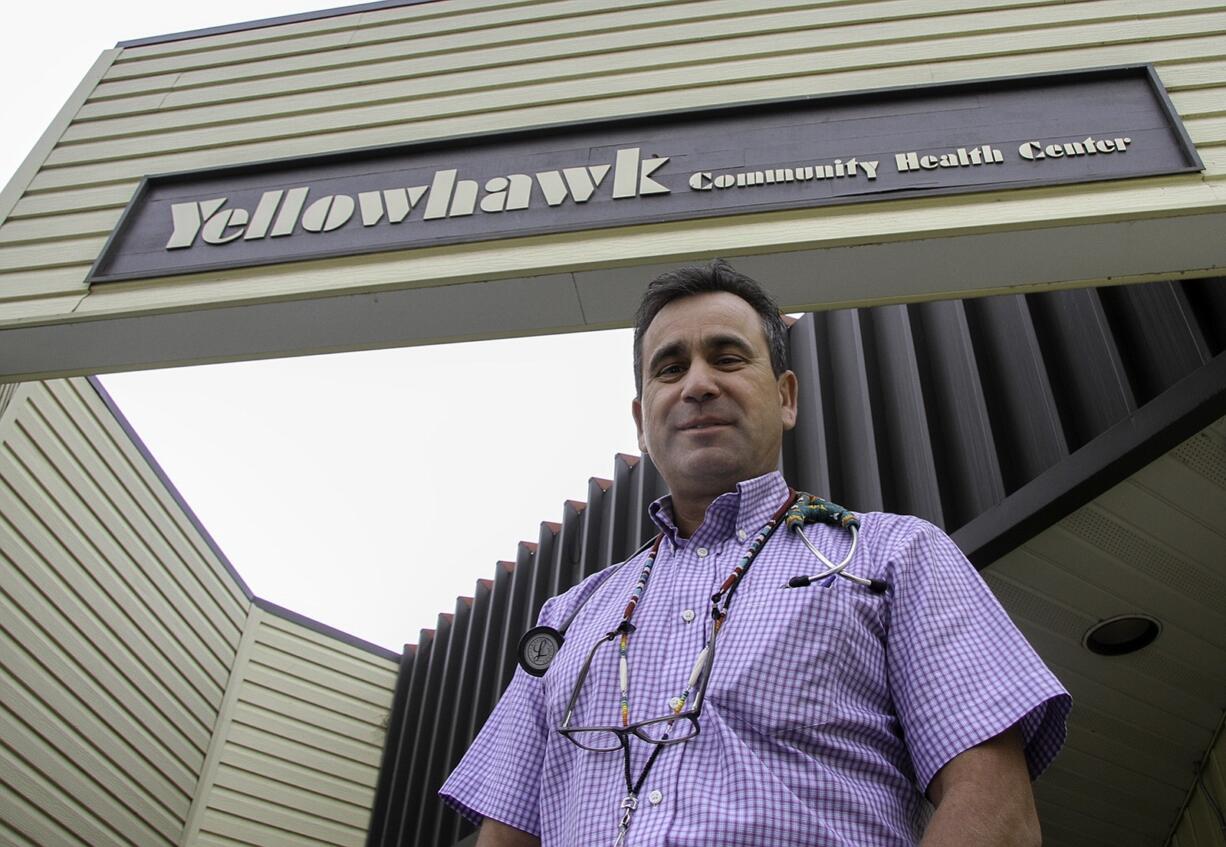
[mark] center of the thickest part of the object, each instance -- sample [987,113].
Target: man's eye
[670,370]
[729,360]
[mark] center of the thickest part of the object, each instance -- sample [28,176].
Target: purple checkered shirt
[830,708]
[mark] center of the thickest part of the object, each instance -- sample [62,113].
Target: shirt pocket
[790,658]
[597,702]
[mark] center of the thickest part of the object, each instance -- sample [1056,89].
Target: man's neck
[689,508]
[688,516]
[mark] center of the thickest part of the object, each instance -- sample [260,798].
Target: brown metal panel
[567,550]
[1160,340]
[904,447]
[517,611]
[571,544]
[441,718]
[542,565]
[622,536]
[464,696]
[1025,420]
[1083,362]
[489,672]
[855,475]
[964,447]
[805,446]
[1207,299]
[596,526]
[407,831]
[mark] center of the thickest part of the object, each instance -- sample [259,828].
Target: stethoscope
[539,645]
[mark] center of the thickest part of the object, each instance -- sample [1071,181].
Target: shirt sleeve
[500,775]
[960,671]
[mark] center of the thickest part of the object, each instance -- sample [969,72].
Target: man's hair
[716,275]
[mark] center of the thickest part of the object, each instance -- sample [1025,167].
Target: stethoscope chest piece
[537,649]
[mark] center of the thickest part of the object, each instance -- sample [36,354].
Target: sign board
[1020,132]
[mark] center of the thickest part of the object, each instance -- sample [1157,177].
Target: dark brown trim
[324,629]
[1174,416]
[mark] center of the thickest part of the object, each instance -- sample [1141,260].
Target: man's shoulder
[887,526]
[893,539]
[561,606]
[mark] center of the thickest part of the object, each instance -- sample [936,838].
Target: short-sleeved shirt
[829,709]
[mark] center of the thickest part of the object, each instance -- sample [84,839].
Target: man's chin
[712,470]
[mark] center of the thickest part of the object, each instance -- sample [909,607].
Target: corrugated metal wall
[145,699]
[445,69]
[940,409]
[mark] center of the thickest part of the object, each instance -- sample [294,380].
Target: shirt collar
[745,510]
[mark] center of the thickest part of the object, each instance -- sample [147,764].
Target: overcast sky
[332,482]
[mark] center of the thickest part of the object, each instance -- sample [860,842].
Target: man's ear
[787,398]
[636,410]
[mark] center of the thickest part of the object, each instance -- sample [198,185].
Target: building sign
[985,136]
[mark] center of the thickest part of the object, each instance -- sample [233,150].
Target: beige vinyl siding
[451,68]
[118,627]
[302,740]
[145,699]
[1201,824]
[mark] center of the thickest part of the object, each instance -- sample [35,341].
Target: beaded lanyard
[796,511]
[717,614]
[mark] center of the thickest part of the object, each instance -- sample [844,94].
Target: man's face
[712,412]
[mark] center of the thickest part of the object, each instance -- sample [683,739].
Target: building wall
[1202,824]
[298,742]
[120,628]
[449,68]
[145,698]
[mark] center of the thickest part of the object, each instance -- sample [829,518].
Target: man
[828,712]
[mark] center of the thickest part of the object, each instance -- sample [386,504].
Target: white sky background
[332,483]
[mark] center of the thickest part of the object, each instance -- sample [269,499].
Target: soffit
[1153,544]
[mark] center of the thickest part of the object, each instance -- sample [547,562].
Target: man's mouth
[703,424]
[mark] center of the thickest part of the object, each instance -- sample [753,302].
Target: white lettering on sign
[1089,146]
[280,213]
[838,169]
[963,157]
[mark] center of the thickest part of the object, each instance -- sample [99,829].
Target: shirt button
[674,703]
[687,615]
[655,797]
[742,534]
[702,552]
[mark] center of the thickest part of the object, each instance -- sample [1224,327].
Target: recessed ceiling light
[1121,634]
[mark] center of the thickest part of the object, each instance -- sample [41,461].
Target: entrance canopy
[429,172]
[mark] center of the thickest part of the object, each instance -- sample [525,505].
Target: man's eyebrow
[715,342]
[719,342]
[668,351]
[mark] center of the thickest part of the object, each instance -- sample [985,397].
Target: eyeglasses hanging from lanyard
[681,724]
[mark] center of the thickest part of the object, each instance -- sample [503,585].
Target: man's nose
[701,382]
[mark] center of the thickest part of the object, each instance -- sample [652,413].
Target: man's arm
[983,798]
[497,834]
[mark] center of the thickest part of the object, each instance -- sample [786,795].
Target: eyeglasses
[675,728]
